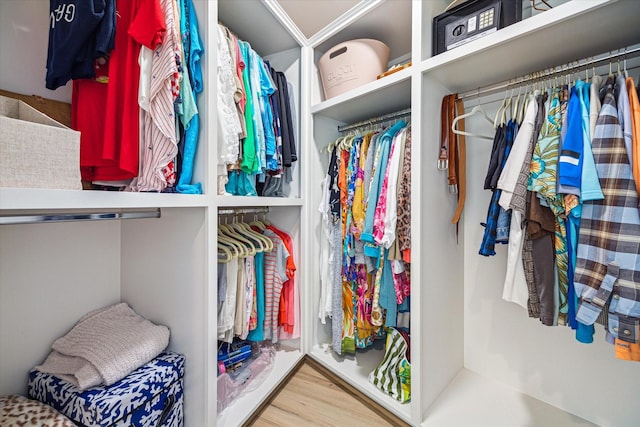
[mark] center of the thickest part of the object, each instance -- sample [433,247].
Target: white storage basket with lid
[351,64]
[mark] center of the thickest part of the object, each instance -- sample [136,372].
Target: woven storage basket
[35,150]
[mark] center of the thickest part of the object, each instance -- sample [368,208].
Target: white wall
[50,275]
[23,46]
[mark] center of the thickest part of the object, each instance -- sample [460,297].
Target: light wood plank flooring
[312,399]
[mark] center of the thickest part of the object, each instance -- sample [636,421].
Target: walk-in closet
[476,359]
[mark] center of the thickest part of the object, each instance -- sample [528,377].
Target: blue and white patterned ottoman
[152,395]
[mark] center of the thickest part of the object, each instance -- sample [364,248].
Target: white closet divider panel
[441,281]
[165,277]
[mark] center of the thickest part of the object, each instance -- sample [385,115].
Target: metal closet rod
[240,211]
[375,120]
[541,75]
[77,216]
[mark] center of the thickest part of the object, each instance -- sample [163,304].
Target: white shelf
[388,94]
[571,31]
[388,22]
[355,371]
[244,406]
[242,201]
[473,400]
[251,21]
[19,199]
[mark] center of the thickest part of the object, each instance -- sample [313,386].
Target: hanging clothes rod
[541,75]
[375,120]
[240,211]
[70,217]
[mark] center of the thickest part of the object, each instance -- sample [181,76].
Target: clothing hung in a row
[565,183]
[134,99]
[256,123]
[258,297]
[366,239]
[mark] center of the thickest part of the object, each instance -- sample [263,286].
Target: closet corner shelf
[570,31]
[243,201]
[393,92]
[25,199]
[472,399]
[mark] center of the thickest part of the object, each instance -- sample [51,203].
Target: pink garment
[381,208]
[401,281]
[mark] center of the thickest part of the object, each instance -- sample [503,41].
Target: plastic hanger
[230,233]
[249,235]
[475,110]
[496,120]
[519,116]
[265,243]
[224,254]
[348,142]
[257,223]
[506,112]
[333,144]
[238,249]
[516,105]
[233,233]
[610,66]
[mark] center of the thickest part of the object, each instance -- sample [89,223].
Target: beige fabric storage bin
[35,150]
[352,64]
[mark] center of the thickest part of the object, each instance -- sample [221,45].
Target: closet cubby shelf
[573,30]
[393,92]
[245,405]
[19,199]
[243,201]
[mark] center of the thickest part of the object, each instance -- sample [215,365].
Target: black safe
[472,20]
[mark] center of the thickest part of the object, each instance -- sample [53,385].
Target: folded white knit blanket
[104,346]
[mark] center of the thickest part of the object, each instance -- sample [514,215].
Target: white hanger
[475,110]
[505,107]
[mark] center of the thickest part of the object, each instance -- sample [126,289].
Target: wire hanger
[535,7]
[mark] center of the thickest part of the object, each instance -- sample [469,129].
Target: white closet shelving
[476,359]
[272,37]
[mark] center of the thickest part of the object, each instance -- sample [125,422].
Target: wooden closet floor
[312,398]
